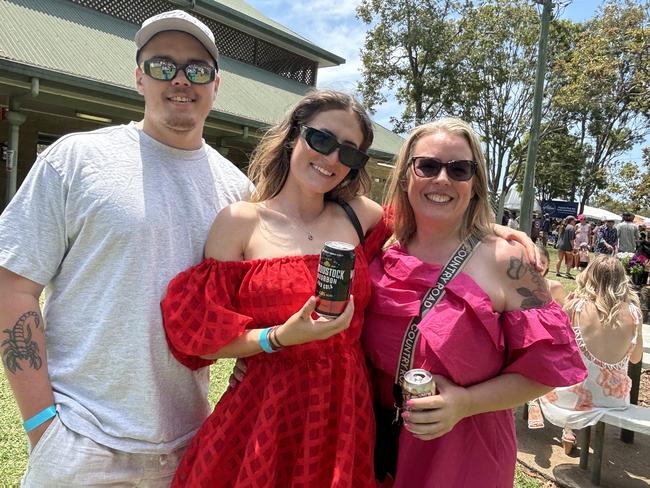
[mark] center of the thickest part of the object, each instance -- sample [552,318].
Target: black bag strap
[354,219]
[431,298]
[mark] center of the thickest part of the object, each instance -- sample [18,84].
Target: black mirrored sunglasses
[428,167]
[166,70]
[325,143]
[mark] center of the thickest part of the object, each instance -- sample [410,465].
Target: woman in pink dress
[495,339]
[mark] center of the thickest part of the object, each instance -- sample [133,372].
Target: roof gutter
[16,118]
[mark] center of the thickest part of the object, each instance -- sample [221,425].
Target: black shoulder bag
[388,420]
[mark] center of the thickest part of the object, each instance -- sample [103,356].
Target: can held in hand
[335,273]
[417,383]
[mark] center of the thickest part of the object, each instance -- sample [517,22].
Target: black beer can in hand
[335,273]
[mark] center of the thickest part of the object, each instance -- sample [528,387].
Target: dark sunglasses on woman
[325,143]
[166,70]
[458,169]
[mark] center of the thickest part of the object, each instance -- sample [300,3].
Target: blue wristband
[39,418]
[264,340]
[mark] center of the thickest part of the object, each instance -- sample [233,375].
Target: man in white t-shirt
[102,222]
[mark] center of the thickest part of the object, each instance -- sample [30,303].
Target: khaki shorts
[63,458]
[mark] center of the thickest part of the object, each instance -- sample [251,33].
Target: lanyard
[431,298]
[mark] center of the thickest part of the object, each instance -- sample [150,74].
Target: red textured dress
[301,417]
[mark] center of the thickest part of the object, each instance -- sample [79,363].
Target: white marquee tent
[600,214]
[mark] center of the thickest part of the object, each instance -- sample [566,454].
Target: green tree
[628,187]
[606,88]
[447,58]
[412,49]
[561,159]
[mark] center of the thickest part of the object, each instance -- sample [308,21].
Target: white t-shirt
[105,219]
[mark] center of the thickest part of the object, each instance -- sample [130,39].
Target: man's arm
[22,346]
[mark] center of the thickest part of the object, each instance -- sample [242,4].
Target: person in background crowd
[644,243]
[607,240]
[506,217]
[583,232]
[495,339]
[594,234]
[606,319]
[103,221]
[628,233]
[535,228]
[583,256]
[565,246]
[546,229]
[513,221]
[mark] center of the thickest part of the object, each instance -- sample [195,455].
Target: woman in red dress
[301,417]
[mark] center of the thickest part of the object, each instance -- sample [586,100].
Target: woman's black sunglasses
[325,143]
[166,70]
[428,167]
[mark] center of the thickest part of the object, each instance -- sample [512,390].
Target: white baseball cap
[177,20]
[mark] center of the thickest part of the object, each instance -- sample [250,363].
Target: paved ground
[624,465]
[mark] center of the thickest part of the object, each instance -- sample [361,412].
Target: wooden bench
[633,418]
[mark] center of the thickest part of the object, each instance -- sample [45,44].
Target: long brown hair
[478,218]
[269,167]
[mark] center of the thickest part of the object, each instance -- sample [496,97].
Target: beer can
[335,273]
[417,383]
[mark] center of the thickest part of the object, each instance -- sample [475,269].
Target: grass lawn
[13,451]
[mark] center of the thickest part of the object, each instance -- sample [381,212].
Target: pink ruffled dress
[466,341]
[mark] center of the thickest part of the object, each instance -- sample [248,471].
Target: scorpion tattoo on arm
[20,345]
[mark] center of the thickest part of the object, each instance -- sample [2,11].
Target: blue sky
[333,26]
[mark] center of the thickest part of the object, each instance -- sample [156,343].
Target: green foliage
[477,60]
[560,164]
[606,91]
[628,188]
[412,49]
[500,45]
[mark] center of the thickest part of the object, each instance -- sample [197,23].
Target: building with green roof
[68,66]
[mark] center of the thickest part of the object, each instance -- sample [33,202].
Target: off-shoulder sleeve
[198,310]
[541,345]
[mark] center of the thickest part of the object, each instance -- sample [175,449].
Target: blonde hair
[478,218]
[605,284]
[269,166]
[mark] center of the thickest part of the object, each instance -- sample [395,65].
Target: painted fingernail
[409,403]
[405,415]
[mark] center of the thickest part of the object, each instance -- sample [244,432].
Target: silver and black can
[417,383]
[335,273]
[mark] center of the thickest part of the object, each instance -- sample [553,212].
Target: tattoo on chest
[20,346]
[534,296]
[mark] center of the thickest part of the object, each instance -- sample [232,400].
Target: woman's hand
[431,417]
[522,238]
[301,327]
[238,372]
